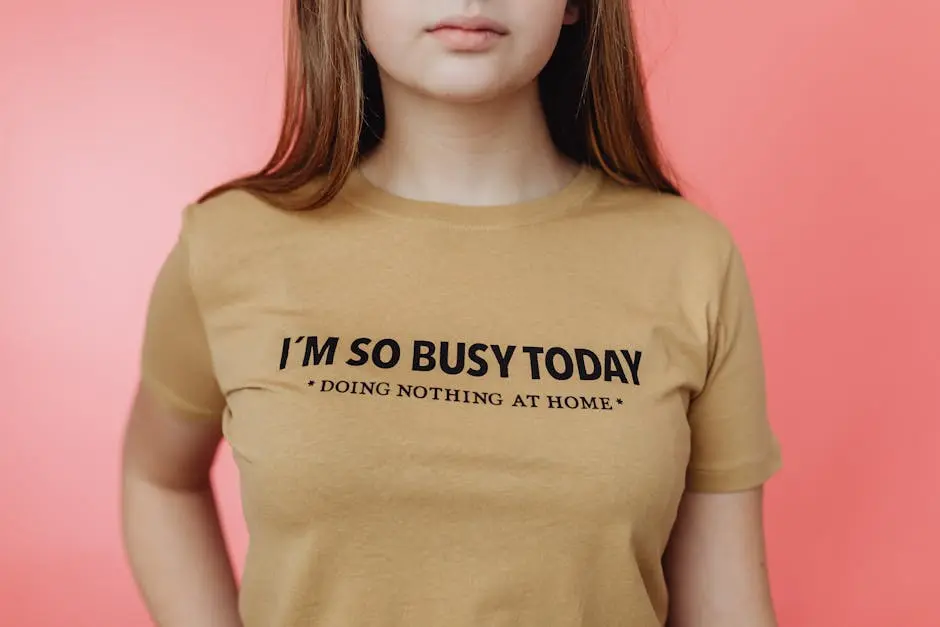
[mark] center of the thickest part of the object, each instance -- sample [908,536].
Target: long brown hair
[592,91]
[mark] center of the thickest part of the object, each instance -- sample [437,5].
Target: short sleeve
[733,446]
[176,364]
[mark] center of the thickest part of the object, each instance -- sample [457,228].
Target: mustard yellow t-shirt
[464,416]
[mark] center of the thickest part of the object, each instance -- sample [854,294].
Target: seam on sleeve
[194,285]
[713,342]
[190,276]
[195,291]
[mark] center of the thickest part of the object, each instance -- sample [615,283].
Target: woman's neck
[487,153]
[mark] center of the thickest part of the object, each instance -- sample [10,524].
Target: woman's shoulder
[234,210]
[235,227]
[240,215]
[659,218]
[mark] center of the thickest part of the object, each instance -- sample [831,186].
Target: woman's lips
[468,34]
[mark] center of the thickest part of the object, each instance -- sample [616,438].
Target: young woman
[477,360]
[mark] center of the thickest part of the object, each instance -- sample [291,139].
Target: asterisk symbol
[620,401]
[311,383]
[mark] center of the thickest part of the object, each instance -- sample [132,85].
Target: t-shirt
[461,415]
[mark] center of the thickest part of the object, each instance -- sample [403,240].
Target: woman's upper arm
[716,562]
[166,446]
[174,427]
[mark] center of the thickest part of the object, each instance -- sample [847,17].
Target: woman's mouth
[461,34]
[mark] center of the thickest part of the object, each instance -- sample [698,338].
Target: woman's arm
[716,565]
[171,528]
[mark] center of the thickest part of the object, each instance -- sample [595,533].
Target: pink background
[809,126]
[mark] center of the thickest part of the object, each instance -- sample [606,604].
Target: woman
[477,360]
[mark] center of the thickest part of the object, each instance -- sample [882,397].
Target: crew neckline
[362,193]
